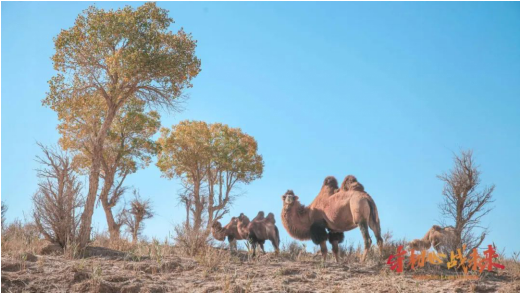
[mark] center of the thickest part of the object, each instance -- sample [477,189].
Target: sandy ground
[115,272]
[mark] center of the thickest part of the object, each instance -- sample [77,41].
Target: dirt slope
[268,273]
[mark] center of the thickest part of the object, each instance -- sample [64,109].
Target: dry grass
[192,242]
[21,238]
[160,266]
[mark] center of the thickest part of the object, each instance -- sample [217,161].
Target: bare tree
[465,203]
[133,217]
[4,211]
[58,200]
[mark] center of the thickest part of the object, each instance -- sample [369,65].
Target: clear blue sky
[384,91]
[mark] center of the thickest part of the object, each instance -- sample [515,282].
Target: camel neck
[296,221]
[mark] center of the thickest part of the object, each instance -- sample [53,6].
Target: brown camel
[259,230]
[437,237]
[230,230]
[349,207]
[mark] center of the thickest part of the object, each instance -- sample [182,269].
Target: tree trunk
[113,227]
[86,217]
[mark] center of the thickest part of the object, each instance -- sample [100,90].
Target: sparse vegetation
[139,211]
[219,270]
[58,200]
[191,242]
[465,202]
[4,211]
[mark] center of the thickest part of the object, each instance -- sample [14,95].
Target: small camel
[259,230]
[334,209]
[230,230]
[436,237]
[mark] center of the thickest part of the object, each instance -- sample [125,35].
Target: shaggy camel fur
[346,209]
[230,230]
[437,237]
[259,230]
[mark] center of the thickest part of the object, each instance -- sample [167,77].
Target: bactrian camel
[259,230]
[229,231]
[437,237]
[335,210]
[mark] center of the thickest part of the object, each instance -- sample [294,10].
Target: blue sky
[384,91]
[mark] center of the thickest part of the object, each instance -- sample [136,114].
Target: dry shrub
[390,246]
[21,238]
[133,217]
[192,242]
[58,200]
[350,253]
[4,211]
[212,258]
[293,251]
[512,264]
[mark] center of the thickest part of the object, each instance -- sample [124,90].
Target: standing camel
[230,230]
[259,230]
[343,210]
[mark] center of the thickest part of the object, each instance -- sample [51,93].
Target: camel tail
[373,212]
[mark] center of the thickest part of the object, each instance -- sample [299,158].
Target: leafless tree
[465,202]
[133,217]
[4,211]
[58,199]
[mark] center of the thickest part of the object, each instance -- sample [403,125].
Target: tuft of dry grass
[512,264]
[21,238]
[192,242]
[293,250]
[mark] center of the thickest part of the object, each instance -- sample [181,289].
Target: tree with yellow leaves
[211,160]
[109,58]
[128,147]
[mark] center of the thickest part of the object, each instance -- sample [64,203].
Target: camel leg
[367,239]
[323,249]
[335,238]
[335,250]
[233,243]
[375,227]
[253,247]
[262,248]
[275,245]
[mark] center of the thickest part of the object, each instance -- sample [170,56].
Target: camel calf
[259,230]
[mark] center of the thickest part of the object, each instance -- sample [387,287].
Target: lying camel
[337,210]
[436,237]
[259,230]
[230,230]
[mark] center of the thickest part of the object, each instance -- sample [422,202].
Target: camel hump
[259,217]
[350,183]
[437,228]
[331,182]
[271,218]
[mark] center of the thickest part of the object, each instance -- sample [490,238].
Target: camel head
[289,198]
[217,226]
